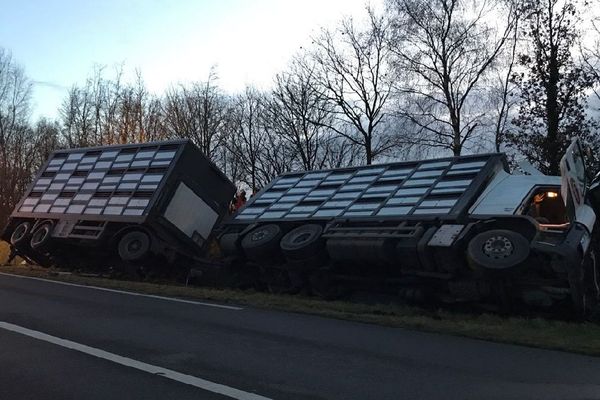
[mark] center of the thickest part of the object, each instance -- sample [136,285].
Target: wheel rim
[134,246]
[498,247]
[39,235]
[20,232]
[256,236]
[301,238]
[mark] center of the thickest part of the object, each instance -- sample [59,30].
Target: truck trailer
[453,229]
[115,206]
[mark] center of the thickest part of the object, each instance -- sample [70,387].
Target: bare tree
[590,55]
[503,91]
[354,76]
[21,147]
[153,121]
[132,103]
[443,49]
[47,138]
[276,157]
[77,117]
[299,113]
[249,141]
[198,112]
[107,111]
[15,93]
[339,153]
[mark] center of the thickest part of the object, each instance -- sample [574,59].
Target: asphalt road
[67,342]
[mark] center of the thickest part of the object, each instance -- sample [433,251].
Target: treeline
[418,78]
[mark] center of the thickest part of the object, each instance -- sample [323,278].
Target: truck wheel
[229,244]
[134,246]
[262,241]
[20,233]
[303,242]
[41,236]
[498,250]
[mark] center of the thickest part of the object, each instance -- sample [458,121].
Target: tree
[591,57]
[503,91]
[353,74]
[249,141]
[553,86]
[299,113]
[23,149]
[106,111]
[16,146]
[443,50]
[198,112]
[47,138]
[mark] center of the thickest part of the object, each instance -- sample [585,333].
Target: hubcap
[303,237]
[39,235]
[134,245]
[20,232]
[498,247]
[256,236]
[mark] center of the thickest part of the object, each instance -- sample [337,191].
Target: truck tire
[303,242]
[134,246]
[262,242]
[20,233]
[229,244]
[498,250]
[41,236]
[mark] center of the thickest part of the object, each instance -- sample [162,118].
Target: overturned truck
[454,229]
[153,204]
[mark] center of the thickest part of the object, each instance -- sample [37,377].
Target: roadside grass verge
[4,252]
[569,336]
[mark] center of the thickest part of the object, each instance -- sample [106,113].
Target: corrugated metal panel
[431,187]
[110,181]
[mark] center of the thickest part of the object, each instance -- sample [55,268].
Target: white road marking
[142,366]
[152,296]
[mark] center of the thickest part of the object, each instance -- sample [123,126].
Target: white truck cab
[564,221]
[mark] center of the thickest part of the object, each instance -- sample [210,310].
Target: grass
[574,337]
[5,252]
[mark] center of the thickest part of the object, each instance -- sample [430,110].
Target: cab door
[573,186]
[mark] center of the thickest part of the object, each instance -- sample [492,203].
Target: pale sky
[58,42]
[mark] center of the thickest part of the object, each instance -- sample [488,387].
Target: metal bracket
[445,235]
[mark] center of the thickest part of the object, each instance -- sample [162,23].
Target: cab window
[546,206]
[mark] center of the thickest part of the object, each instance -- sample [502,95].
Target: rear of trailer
[134,203]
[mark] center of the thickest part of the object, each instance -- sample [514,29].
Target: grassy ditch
[4,252]
[575,337]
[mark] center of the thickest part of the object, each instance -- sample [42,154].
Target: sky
[59,42]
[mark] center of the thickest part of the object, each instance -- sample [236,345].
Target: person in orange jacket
[241,200]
